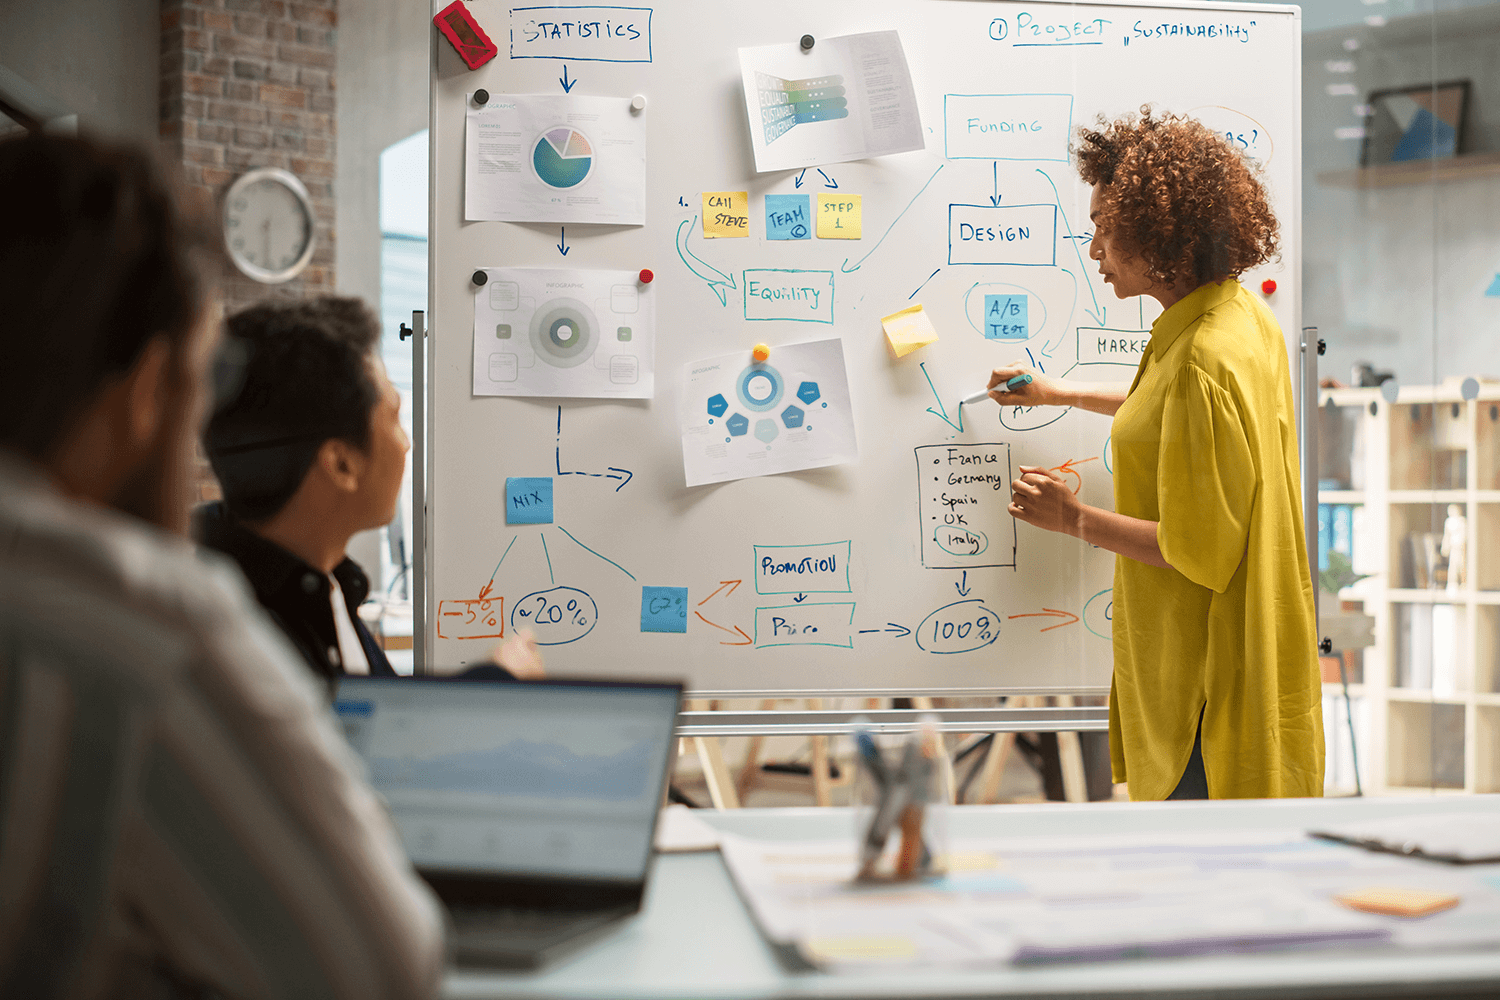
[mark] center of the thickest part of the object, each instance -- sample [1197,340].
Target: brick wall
[250,83]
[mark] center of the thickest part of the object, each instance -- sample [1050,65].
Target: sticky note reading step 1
[840,217]
[726,213]
[907,330]
[664,609]
[528,501]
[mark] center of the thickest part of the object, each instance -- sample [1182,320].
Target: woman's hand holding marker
[1036,389]
[1041,498]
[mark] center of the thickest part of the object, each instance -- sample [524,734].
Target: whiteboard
[894,572]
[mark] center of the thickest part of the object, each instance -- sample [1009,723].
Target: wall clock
[269,225]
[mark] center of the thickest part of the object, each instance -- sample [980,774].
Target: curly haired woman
[1215,690]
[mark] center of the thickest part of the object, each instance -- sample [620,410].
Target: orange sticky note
[1398,902]
[726,214]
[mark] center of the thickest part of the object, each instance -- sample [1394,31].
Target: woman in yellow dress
[1216,690]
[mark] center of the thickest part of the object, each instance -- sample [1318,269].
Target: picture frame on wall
[1422,122]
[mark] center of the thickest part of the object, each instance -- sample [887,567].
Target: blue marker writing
[1014,383]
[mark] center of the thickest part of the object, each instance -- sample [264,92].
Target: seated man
[307,443]
[178,813]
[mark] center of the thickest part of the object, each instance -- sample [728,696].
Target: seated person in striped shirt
[179,815]
[307,444]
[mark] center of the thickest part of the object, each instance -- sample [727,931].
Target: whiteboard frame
[995,719]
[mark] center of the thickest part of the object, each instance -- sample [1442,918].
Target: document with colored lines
[845,98]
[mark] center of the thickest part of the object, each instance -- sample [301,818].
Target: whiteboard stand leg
[924,703]
[821,779]
[1070,757]
[710,750]
[993,768]
[750,773]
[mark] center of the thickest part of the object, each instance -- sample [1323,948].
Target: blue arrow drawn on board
[798,181]
[901,630]
[566,84]
[845,268]
[963,588]
[1098,312]
[800,598]
[995,198]
[829,181]
[944,414]
[562,240]
[719,286]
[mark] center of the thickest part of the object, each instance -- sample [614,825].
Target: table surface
[695,939]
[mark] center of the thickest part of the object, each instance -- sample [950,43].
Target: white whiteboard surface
[889,606]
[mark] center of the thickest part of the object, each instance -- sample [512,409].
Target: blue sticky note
[528,501]
[1494,290]
[788,217]
[1005,317]
[664,609]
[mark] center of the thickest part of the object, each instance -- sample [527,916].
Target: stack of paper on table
[1038,900]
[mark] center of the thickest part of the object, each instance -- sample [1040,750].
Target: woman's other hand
[520,655]
[1041,498]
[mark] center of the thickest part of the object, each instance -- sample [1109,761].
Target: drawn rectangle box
[475,618]
[1007,126]
[963,492]
[1002,234]
[800,296]
[820,568]
[581,34]
[1101,345]
[830,624]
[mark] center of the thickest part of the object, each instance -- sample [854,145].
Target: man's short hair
[292,375]
[96,259]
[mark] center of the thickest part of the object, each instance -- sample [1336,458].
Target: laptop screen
[535,778]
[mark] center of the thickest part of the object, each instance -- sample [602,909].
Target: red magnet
[646,276]
[1268,287]
[465,35]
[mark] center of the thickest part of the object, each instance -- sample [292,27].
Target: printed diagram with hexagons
[563,332]
[743,418]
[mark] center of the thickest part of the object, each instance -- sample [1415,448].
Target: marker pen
[1014,383]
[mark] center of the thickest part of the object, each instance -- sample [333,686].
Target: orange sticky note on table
[726,214]
[840,216]
[1396,902]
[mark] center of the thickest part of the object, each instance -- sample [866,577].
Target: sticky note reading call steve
[726,213]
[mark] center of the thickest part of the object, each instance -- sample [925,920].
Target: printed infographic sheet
[847,98]
[744,418]
[564,332]
[555,158]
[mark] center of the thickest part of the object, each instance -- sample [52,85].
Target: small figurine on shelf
[1455,546]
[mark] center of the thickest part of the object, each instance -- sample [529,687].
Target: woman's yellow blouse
[1205,444]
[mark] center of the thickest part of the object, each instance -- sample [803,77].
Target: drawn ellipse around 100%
[557,616]
[960,627]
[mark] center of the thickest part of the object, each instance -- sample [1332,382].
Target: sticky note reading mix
[528,501]
[907,330]
[788,217]
[664,609]
[726,213]
[1005,317]
[840,216]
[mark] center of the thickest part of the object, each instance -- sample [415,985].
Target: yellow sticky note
[726,213]
[1396,902]
[840,216]
[859,949]
[907,330]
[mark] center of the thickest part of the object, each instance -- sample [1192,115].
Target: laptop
[528,806]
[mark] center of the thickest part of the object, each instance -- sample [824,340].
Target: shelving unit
[1455,168]
[1420,727]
